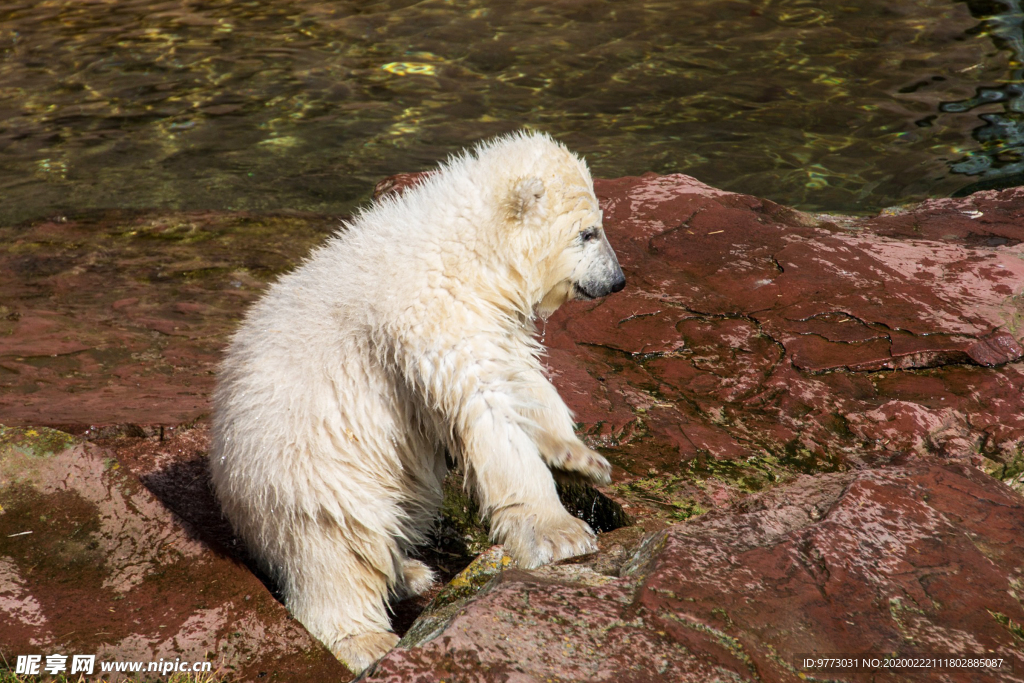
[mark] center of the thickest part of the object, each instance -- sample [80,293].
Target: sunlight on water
[304,105]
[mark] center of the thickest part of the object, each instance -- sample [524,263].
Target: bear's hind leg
[336,584]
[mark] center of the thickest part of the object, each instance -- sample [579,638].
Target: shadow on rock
[172,463]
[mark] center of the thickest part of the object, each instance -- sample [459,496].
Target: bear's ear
[525,199]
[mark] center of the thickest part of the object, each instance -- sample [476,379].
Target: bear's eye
[590,234]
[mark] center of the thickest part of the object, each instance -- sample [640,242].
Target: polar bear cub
[408,334]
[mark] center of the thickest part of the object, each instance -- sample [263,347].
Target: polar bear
[408,334]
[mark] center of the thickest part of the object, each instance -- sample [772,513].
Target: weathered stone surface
[92,563]
[916,559]
[748,329]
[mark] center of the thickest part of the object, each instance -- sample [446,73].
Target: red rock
[92,564]
[783,321]
[877,561]
[752,343]
[996,349]
[398,183]
[121,303]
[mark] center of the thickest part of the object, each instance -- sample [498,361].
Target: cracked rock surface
[815,423]
[751,330]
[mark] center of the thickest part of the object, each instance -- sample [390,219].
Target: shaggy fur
[407,334]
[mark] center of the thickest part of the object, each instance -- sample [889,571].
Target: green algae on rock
[38,442]
[454,595]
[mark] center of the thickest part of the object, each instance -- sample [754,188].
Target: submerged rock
[115,318]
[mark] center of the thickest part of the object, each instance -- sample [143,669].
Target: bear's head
[555,228]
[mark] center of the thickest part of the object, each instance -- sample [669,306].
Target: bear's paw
[417,578]
[576,458]
[359,652]
[540,538]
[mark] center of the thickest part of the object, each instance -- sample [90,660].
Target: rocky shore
[815,423]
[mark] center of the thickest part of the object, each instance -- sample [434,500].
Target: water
[848,105]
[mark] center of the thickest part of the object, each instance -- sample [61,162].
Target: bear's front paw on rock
[574,456]
[540,538]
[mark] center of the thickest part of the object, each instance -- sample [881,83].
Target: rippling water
[845,105]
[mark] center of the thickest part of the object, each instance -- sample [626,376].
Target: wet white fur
[409,332]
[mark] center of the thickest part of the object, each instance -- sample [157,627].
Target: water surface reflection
[303,104]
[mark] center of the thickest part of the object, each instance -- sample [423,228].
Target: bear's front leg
[515,489]
[540,536]
[474,388]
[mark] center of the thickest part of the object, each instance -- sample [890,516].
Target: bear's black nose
[619,283]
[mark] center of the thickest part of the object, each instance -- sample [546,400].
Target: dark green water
[842,105]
